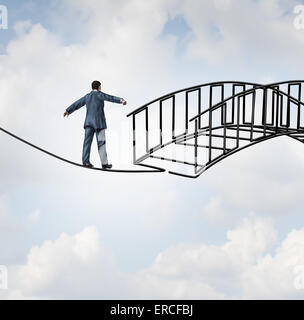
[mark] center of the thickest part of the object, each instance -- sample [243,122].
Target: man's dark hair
[95,84]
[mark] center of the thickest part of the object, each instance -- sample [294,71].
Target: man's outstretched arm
[75,106]
[110,98]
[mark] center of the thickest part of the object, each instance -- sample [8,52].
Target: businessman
[95,122]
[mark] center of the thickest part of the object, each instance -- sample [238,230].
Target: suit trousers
[101,145]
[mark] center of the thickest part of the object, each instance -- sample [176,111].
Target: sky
[236,232]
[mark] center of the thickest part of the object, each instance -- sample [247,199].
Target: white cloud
[265,178]
[150,286]
[273,277]
[215,212]
[34,217]
[217,266]
[76,266]
[229,270]
[21,27]
[250,240]
[241,32]
[80,266]
[52,260]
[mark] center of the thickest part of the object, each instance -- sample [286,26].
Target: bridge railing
[252,120]
[252,111]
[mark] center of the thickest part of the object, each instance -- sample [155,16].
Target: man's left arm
[108,97]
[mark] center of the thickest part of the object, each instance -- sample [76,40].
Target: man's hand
[66,114]
[124,102]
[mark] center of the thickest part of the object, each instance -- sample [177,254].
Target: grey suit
[95,121]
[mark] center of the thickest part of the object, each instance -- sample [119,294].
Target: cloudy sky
[237,232]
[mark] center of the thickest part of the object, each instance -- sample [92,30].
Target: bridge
[196,127]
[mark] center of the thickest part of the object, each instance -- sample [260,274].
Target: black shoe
[88,165]
[106,166]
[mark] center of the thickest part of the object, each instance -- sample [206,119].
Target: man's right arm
[75,106]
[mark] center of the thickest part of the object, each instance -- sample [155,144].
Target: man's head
[96,85]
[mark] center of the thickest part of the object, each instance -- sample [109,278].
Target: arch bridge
[194,128]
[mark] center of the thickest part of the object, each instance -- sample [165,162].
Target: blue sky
[219,236]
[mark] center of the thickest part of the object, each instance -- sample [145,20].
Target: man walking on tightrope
[95,122]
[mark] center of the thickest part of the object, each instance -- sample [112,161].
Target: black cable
[156,169]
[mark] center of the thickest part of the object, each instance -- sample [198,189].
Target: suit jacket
[94,101]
